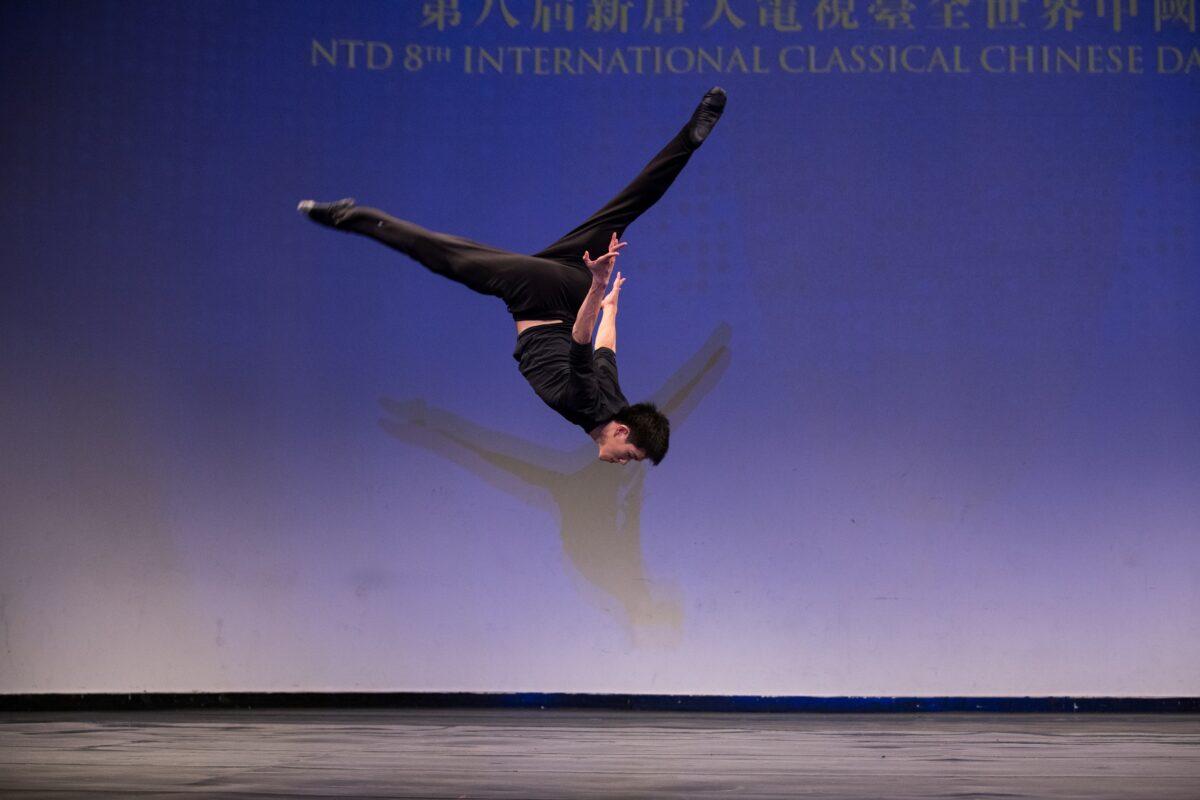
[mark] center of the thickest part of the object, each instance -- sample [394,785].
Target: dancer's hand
[601,268]
[609,303]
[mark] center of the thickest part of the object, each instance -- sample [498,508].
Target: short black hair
[649,429]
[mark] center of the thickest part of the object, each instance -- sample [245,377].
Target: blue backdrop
[925,317]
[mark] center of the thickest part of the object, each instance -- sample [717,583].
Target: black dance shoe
[331,214]
[705,116]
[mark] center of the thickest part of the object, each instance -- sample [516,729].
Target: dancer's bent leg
[645,190]
[616,215]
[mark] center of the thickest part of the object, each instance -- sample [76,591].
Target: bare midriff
[526,324]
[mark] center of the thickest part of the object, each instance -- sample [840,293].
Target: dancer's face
[617,449]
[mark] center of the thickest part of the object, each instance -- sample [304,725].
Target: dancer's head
[635,433]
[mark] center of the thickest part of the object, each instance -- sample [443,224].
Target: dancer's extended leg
[643,192]
[477,266]
[553,282]
[531,287]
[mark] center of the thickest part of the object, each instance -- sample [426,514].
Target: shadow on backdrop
[599,504]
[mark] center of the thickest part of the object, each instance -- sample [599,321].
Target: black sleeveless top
[577,382]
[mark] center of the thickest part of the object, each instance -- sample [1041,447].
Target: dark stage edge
[741,704]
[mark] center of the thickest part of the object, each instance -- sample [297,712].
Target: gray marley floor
[568,754]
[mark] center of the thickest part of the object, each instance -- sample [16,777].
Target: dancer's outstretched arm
[601,269]
[606,334]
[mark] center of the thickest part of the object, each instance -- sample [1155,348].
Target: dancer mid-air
[557,294]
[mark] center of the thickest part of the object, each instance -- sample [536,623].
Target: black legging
[549,284]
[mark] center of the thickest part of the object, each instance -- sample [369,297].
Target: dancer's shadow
[599,504]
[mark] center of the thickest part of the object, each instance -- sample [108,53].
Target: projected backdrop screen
[923,312]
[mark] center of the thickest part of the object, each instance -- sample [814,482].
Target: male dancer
[556,295]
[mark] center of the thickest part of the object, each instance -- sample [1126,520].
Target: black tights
[549,284]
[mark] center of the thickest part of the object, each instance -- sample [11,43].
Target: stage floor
[568,754]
